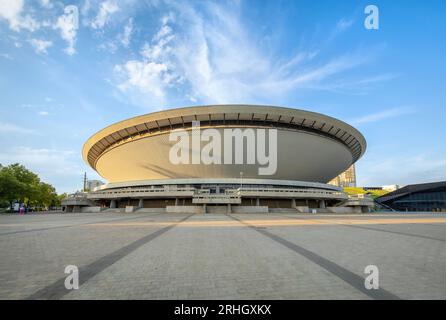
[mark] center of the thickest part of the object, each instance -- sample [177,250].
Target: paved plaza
[218,256]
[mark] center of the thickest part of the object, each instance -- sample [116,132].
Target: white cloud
[43,113]
[40,46]
[122,39]
[15,128]
[6,56]
[57,167]
[213,59]
[106,9]
[154,73]
[11,11]
[125,37]
[383,115]
[68,25]
[419,167]
[359,86]
[86,7]
[163,32]
[148,77]
[159,49]
[343,25]
[46,4]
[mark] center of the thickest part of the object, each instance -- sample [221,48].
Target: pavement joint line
[57,289]
[351,278]
[435,225]
[394,232]
[381,230]
[276,221]
[74,225]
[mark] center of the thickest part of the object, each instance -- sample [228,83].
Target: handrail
[222,196]
[205,193]
[291,190]
[131,190]
[360,196]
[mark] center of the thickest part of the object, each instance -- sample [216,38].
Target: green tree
[46,195]
[59,198]
[10,187]
[29,179]
[19,183]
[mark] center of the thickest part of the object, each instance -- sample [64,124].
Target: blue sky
[60,84]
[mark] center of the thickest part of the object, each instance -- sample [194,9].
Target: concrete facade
[134,156]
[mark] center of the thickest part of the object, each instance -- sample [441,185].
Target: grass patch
[358,190]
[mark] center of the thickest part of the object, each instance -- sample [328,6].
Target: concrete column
[204,207]
[257,202]
[113,204]
[322,204]
[176,202]
[141,203]
[229,208]
[293,203]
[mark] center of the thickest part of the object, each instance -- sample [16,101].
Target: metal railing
[292,192]
[128,192]
[228,193]
[359,199]
[216,198]
[360,196]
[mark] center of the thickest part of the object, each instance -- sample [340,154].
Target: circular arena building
[223,158]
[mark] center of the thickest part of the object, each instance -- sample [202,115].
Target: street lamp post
[241,179]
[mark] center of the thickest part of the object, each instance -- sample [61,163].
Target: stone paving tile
[226,262]
[33,260]
[409,266]
[215,263]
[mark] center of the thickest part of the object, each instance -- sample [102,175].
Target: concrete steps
[283,210]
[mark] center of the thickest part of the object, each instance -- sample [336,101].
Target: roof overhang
[226,115]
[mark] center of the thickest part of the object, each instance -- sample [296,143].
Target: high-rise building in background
[91,184]
[346,178]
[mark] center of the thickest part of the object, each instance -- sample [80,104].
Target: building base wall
[91,209]
[353,209]
[250,209]
[212,197]
[185,209]
[151,210]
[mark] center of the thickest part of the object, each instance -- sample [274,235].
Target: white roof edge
[151,182]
